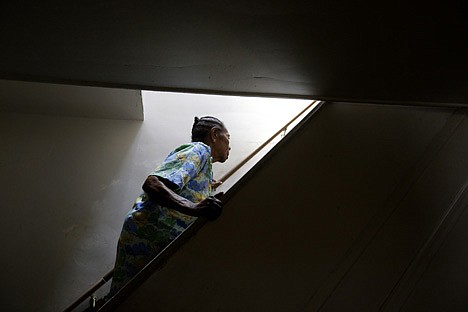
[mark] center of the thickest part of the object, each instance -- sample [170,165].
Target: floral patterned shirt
[150,227]
[189,167]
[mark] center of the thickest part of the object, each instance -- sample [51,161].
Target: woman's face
[220,146]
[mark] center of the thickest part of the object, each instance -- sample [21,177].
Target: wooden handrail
[257,150]
[90,291]
[170,249]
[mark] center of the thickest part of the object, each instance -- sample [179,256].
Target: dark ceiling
[397,51]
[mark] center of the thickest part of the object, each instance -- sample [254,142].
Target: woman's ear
[213,134]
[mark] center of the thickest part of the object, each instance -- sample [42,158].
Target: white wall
[66,184]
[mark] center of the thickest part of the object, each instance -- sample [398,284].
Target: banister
[258,149]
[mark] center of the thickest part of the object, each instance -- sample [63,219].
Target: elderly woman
[175,194]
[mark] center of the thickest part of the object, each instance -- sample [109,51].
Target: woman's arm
[159,192]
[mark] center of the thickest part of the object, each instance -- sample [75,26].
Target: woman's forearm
[163,195]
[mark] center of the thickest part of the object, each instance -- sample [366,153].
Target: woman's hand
[210,207]
[215,184]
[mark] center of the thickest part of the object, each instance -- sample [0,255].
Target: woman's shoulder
[200,146]
[197,147]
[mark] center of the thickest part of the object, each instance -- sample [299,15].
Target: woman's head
[212,131]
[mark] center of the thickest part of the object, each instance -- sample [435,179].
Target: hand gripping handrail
[176,243]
